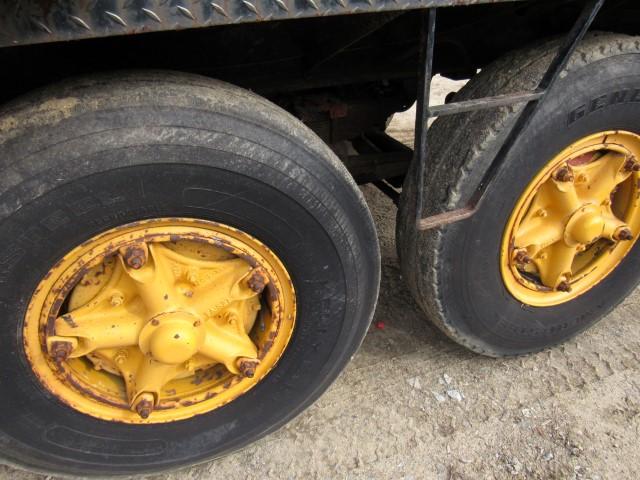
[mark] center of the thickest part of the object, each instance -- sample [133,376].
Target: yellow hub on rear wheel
[575,221]
[159,320]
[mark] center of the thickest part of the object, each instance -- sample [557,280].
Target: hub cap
[159,321]
[575,222]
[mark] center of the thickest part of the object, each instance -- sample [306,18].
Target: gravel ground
[414,405]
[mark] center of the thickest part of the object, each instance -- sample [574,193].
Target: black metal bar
[428,39]
[388,190]
[559,62]
[483,103]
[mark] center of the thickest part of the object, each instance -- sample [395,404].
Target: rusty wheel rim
[159,320]
[575,222]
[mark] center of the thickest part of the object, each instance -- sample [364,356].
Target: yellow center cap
[174,337]
[586,226]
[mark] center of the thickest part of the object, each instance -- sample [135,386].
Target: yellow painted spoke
[108,320]
[154,281]
[226,287]
[538,232]
[596,181]
[150,377]
[555,264]
[97,329]
[612,224]
[560,198]
[549,210]
[225,344]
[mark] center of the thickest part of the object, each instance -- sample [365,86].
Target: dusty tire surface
[453,271]
[90,154]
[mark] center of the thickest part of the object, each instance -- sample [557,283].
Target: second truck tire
[454,272]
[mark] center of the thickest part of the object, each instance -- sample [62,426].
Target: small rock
[548,456]
[439,396]
[447,379]
[514,466]
[455,394]
[526,412]
[415,383]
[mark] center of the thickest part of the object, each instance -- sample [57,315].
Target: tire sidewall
[584,102]
[121,166]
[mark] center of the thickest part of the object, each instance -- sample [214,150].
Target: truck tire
[202,221]
[485,281]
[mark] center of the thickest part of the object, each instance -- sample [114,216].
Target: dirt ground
[414,405]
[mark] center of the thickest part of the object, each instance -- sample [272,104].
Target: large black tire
[453,271]
[85,156]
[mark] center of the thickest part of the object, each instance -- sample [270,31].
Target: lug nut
[631,165]
[522,257]
[564,287]
[247,366]
[144,405]
[258,280]
[60,350]
[135,256]
[623,234]
[563,174]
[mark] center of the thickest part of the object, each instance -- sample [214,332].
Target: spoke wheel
[575,221]
[159,320]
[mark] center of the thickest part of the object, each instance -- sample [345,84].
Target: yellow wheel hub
[159,321]
[575,222]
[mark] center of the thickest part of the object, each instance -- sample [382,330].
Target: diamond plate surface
[25,22]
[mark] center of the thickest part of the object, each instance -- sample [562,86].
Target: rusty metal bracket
[533,101]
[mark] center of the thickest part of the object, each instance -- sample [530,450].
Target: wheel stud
[563,174]
[623,234]
[258,279]
[135,256]
[632,165]
[143,406]
[522,257]
[60,350]
[247,366]
[564,287]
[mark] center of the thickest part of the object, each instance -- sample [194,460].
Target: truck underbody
[342,75]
